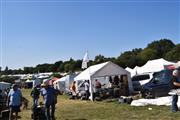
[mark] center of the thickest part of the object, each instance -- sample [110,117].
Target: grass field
[86,110]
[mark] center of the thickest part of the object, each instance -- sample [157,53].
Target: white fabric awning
[154,66]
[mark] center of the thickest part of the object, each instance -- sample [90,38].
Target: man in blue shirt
[14,99]
[49,95]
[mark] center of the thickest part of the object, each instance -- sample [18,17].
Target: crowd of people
[112,88]
[12,99]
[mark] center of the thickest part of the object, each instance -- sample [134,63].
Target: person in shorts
[14,99]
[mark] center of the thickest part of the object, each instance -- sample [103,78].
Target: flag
[85,61]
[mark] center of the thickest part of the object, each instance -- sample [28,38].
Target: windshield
[162,77]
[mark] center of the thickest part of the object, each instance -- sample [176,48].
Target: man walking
[49,95]
[35,95]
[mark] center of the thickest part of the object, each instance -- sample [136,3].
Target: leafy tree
[28,70]
[174,54]
[149,54]
[56,65]
[99,59]
[9,79]
[67,67]
[61,68]
[161,47]
[129,58]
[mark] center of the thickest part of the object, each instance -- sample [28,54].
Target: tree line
[163,48]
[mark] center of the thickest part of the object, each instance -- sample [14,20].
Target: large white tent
[154,66]
[133,71]
[177,64]
[60,84]
[129,69]
[4,85]
[63,84]
[103,70]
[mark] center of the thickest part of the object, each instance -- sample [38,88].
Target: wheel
[147,94]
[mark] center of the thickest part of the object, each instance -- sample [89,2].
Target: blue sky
[35,32]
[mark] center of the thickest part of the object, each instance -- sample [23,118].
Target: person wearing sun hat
[49,96]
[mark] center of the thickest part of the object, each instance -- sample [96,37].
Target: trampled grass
[86,110]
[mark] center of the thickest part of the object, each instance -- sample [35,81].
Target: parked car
[160,85]
[139,80]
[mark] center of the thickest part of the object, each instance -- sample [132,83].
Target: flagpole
[85,65]
[90,82]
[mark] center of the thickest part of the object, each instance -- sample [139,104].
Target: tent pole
[90,81]
[91,89]
[91,86]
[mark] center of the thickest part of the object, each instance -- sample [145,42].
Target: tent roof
[53,80]
[67,77]
[154,66]
[61,79]
[85,75]
[128,69]
[101,70]
[29,81]
[177,64]
[134,71]
[5,83]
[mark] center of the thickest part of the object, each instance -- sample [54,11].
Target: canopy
[64,83]
[177,64]
[53,80]
[134,71]
[4,85]
[129,69]
[27,81]
[154,66]
[104,70]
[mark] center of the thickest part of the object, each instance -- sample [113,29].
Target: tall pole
[85,65]
[91,85]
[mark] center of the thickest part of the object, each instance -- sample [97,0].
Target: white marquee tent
[133,71]
[154,66]
[60,84]
[103,70]
[177,64]
[129,69]
[4,85]
[63,84]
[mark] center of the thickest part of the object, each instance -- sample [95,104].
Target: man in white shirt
[86,88]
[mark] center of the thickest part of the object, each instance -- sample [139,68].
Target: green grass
[86,110]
